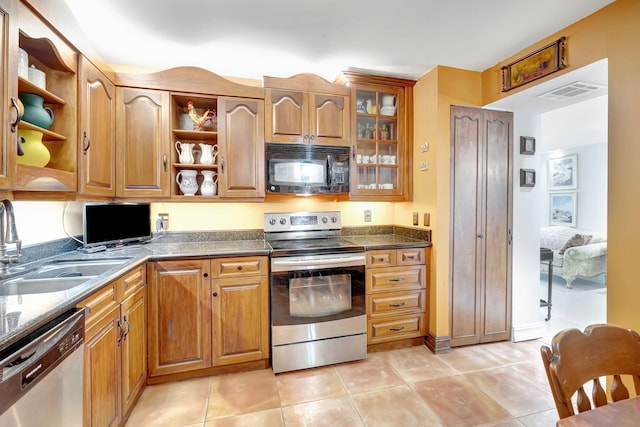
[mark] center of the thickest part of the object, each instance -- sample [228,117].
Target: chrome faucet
[11,236]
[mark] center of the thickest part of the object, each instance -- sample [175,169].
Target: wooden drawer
[396,303]
[132,281]
[99,304]
[410,256]
[239,266]
[381,258]
[395,279]
[391,329]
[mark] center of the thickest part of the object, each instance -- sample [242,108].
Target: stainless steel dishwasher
[41,377]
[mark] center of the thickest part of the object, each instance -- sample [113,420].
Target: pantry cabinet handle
[128,328]
[121,332]
[222,164]
[164,161]
[86,138]
[396,305]
[14,125]
[353,152]
[397,329]
[399,279]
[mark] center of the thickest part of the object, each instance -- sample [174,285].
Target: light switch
[367,215]
[424,147]
[427,219]
[415,218]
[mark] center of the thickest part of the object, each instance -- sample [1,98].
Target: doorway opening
[570,132]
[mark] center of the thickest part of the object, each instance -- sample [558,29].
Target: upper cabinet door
[241,147]
[286,116]
[329,119]
[97,131]
[142,146]
[8,91]
[306,109]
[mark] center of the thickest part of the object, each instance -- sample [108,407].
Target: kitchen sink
[22,286]
[58,275]
[73,268]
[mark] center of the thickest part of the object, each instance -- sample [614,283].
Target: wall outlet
[367,215]
[424,166]
[415,218]
[424,147]
[162,222]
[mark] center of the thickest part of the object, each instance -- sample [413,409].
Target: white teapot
[208,154]
[185,152]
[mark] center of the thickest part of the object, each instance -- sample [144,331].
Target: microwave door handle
[329,177]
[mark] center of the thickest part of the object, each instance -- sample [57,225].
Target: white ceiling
[253,38]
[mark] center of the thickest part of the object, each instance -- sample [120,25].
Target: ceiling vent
[571,90]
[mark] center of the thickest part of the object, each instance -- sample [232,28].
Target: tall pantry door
[481,221]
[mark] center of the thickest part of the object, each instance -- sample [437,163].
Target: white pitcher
[209,184]
[185,152]
[187,180]
[388,107]
[208,154]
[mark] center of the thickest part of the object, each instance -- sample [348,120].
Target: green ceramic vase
[35,112]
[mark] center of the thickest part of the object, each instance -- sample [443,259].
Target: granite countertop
[22,314]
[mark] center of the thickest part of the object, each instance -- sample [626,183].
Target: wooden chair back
[576,359]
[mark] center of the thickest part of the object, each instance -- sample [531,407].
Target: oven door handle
[335,261]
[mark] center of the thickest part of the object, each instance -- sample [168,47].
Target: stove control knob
[283,221]
[334,219]
[325,220]
[272,221]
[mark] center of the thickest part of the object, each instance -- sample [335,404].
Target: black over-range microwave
[306,169]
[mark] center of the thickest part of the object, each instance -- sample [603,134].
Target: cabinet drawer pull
[380,259]
[399,279]
[412,257]
[239,268]
[396,305]
[397,329]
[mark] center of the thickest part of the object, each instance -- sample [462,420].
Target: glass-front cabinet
[381,137]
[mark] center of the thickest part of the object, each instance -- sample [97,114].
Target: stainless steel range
[318,314]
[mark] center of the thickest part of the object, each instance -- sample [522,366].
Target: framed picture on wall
[562,208]
[527,178]
[563,173]
[527,145]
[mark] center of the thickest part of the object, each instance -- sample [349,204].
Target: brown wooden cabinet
[240,309]
[382,137]
[96,131]
[207,313]
[481,221]
[115,366]
[306,109]
[395,294]
[179,316]
[142,143]
[58,60]
[8,91]
[241,148]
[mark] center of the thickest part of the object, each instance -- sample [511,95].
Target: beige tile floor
[500,384]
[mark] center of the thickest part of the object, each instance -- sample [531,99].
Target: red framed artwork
[540,63]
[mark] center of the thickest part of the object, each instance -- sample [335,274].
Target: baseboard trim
[437,345]
[528,331]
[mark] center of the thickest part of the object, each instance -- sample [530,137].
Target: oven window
[303,297]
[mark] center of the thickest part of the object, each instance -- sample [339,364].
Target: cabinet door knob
[215,294]
[239,268]
[206,274]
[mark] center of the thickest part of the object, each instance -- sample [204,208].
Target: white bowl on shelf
[388,111]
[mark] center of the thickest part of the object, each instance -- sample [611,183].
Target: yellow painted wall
[238,216]
[434,94]
[613,33]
